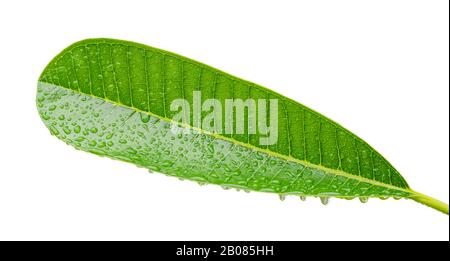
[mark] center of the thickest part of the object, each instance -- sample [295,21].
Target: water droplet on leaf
[324,200]
[363,199]
[145,117]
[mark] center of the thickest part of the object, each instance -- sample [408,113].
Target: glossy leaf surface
[113,98]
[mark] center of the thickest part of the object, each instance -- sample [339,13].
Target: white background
[380,68]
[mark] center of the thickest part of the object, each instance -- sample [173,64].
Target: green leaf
[116,99]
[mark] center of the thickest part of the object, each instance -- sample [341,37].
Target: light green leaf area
[112,98]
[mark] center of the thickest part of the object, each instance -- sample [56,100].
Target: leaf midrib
[327,170]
